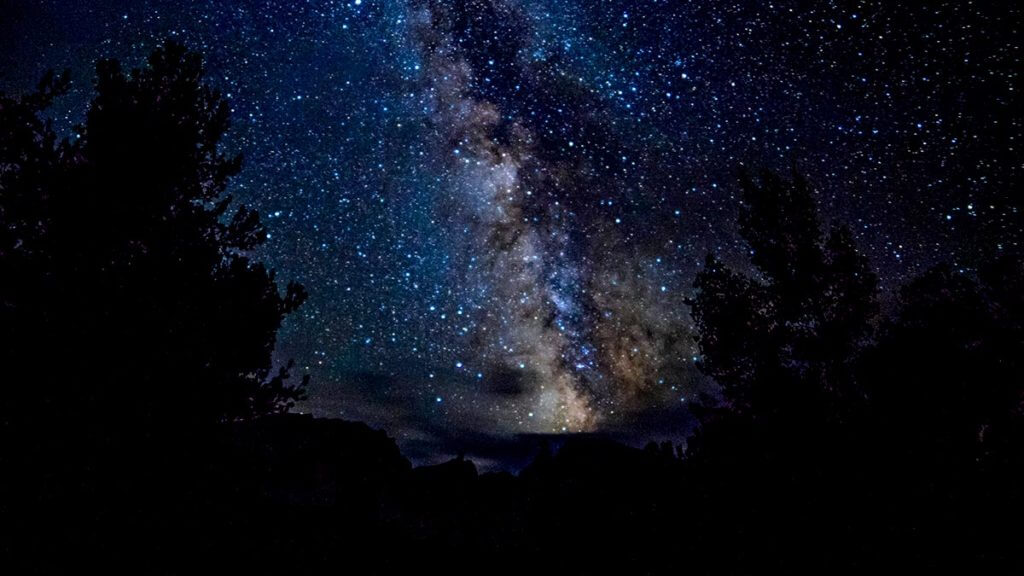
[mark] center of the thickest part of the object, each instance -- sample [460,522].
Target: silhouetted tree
[135,318]
[905,441]
[782,341]
[946,377]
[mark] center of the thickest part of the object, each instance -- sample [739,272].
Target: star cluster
[498,205]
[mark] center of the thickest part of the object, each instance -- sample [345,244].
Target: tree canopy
[781,340]
[130,290]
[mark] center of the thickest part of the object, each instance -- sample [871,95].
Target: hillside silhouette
[146,429]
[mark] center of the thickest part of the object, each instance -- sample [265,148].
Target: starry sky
[498,206]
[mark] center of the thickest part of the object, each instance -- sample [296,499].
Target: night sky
[498,206]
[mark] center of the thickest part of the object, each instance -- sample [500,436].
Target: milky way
[498,206]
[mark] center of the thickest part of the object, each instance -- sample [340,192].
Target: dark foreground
[293,494]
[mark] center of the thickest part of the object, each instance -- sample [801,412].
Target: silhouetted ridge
[300,460]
